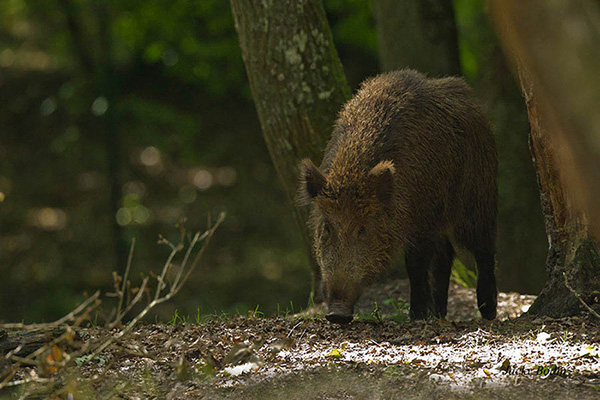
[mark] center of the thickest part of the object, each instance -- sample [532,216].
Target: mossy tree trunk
[297,83]
[559,68]
[418,34]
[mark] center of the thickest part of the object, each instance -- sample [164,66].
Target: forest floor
[380,355]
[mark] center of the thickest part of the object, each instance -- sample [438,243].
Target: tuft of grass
[376,313]
[401,308]
[177,319]
[256,313]
[281,313]
[311,300]
[399,313]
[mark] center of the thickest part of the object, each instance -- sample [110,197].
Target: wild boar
[412,166]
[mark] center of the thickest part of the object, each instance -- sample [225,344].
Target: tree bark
[297,83]
[419,34]
[29,340]
[551,44]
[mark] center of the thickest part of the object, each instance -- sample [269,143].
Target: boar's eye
[361,231]
[326,229]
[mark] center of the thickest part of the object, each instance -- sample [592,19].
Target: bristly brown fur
[412,162]
[312,182]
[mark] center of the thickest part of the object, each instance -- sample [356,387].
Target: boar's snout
[341,319]
[339,314]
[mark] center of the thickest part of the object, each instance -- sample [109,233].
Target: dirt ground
[380,355]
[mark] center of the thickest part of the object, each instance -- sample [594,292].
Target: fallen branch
[29,380]
[69,317]
[590,309]
[31,358]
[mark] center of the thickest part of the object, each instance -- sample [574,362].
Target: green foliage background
[190,144]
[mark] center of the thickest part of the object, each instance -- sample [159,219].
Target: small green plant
[311,300]
[256,313]
[281,313]
[178,319]
[94,322]
[376,313]
[89,359]
[400,306]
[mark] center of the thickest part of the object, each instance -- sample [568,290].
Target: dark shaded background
[154,99]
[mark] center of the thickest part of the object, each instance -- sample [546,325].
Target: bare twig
[294,327]
[590,309]
[82,312]
[206,237]
[160,285]
[14,351]
[185,259]
[161,279]
[24,381]
[24,360]
[125,277]
[130,305]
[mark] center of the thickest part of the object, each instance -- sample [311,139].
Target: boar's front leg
[418,261]
[441,267]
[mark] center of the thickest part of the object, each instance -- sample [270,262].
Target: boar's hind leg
[418,260]
[441,267]
[486,284]
[481,245]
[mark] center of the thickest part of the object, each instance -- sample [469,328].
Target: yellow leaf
[335,353]
[56,353]
[54,356]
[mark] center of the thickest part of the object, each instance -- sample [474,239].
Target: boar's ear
[312,180]
[382,180]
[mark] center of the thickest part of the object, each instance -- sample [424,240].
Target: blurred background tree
[418,34]
[563,98]
[117,118]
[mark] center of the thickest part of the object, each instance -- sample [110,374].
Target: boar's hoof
[341,319]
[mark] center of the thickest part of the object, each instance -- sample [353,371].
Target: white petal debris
[473,357]
[543,337]
[241,369]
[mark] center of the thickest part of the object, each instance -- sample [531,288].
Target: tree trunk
[419,34]
[562,102]
[297,82]
[108,87]
[99,70]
